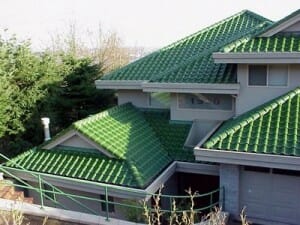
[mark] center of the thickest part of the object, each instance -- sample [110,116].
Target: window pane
[205,101]
[278,75]
[257,75]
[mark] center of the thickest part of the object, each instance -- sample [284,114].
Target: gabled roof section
[189,60]
[282,24]
[273,128]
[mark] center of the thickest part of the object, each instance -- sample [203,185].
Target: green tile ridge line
[157,52]
[281,21]
[139,63]
[258,17]
[233,125]
[206,53]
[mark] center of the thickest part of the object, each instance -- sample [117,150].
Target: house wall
[230,181]
[71,205]
[197,114]
[76,141]
[252,96]
[136,97]
[199,130]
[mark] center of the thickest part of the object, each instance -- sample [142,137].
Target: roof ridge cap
[100,114]
[210,27]
[203,54]
[178,42]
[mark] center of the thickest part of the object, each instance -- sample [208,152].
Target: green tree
[32,85]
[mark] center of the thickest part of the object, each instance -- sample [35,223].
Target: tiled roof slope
[273,128]
[140,148]
[189,60]
[69,163]
[274,44]
[171,135]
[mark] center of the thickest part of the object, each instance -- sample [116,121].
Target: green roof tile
[273,128]
[171,135]
[274,44]
[190,60]
[69,163]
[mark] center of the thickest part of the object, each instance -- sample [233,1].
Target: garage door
[270,196]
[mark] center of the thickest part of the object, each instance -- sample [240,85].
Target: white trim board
[191,88]
[168,87]
[119,84]
[247,159]
[258,58]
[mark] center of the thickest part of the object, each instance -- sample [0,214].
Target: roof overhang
[119,84]
[191,88]
[247,159]
[168,87]
[115,190]
[257,58]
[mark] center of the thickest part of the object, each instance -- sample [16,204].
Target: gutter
[247,159]
[257,57]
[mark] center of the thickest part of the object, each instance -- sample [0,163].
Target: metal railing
[56,195]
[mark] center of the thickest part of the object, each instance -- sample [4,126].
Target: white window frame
[267,77]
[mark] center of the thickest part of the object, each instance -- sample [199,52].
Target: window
[268,75]
[111,207]
[205,101]
[159,100]
[258,75]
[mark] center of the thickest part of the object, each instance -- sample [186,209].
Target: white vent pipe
[46,122]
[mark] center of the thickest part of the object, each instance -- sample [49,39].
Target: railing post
[210,201]
[223,197]
[106,204]
[41,191]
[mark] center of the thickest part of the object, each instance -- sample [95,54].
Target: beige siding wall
[197,114]
[252,96]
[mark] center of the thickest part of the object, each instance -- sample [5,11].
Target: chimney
[45,122]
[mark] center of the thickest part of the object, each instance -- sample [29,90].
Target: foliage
[185,217]
[133,212]
[33,85]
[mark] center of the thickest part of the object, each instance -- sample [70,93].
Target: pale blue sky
[151,23]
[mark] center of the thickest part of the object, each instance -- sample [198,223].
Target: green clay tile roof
[69,163]
[274,44]
[171,135]
[189,60]
[273,128]
[124,132]
[140,147]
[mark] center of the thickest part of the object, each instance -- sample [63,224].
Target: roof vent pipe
[45,122]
